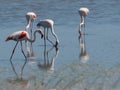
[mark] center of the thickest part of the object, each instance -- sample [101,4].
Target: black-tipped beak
[41,36]
[56,44]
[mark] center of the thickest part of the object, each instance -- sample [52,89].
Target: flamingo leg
[13,50]
[80,26]
[32,51]
[45,58]
[11,58]
[23,51]
[14,69]
[44,36]
[84,25]
[25,60]
[23,68]
[28,49]
[80,29]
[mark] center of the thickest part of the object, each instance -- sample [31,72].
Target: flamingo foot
[56,44]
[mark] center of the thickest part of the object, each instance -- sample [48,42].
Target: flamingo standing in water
[30,16]
[48,23]
[20,36]
[83,13]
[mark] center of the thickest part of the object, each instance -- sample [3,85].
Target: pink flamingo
[20,36]
[30,16]
[83,13]
[48,23]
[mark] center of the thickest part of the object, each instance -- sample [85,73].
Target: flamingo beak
[41,36]
[41,33]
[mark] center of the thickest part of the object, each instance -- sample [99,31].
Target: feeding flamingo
[20,36]
[30,16]
[46,24]
[83,13]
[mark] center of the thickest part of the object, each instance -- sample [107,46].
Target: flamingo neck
[30,40]
[28,25]
[82,21]
[54,34]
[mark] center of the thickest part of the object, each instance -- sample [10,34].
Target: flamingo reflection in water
[20,82]
[84,56]
[47,64]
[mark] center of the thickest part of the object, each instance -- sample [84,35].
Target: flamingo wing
[18,36]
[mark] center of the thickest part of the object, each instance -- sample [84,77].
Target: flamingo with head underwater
[20,36]
[46,24]
[30,16]
[83,13]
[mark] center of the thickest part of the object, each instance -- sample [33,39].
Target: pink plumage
[18,36]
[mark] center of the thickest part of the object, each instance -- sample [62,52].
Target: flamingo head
[33,17]
[40,32]
[38,25]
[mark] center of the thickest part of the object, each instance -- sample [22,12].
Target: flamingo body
[18,36]
[84,11]
[46,23]
[23,35]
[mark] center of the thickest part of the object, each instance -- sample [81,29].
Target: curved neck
[28,25]
[82,20]
[30,40]
[52,29]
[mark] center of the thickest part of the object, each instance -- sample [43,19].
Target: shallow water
[67,68]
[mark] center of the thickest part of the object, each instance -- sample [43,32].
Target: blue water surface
[67,68]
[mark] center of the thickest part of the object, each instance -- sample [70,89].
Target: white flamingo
[46,24]
[31,17]
[20,36]
[83,13]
